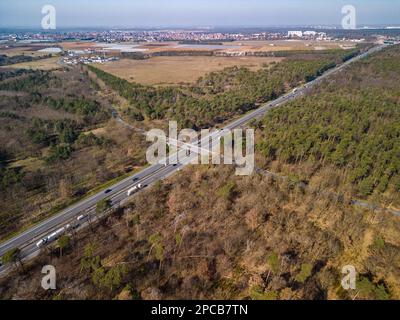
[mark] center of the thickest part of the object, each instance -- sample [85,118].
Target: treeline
[63,137]
[6,60]
[351,122]
[206,42]
[220,95]
[11,73]
[339,53]
[46,132]
[169,53]
[9,115]
[150,101]
[184,53]
[134,55]
[91,109]
[30,82]
[3,158]
[8,176]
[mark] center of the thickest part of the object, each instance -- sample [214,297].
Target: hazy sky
[130,13]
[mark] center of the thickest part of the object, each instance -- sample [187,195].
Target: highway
[117,193]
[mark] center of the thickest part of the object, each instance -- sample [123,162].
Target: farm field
[288,45]
[175,70]
[32,51]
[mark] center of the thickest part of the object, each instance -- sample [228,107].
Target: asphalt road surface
[26,241]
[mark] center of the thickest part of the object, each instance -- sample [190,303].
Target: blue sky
[130,13]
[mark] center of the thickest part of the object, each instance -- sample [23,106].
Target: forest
[50,155]
[7,60]
[219,96]
[351,122]
[28,81]
[253,238]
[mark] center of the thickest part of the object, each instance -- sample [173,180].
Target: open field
[174,70]
[32,50]
[75,45]
[288,45]
[44,64]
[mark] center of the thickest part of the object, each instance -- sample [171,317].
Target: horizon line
[360,26]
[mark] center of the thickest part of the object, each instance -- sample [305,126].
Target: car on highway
[107,191]
[135,179]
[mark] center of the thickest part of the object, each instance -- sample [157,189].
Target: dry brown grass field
[288,45]
[32,51]
[175,70]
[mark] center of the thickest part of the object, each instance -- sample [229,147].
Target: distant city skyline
[200,13]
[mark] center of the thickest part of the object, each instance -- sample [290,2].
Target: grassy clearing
[176,70]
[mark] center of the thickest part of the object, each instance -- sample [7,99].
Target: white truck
[41,243]
[81,217]
[53,236]
[134,189]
